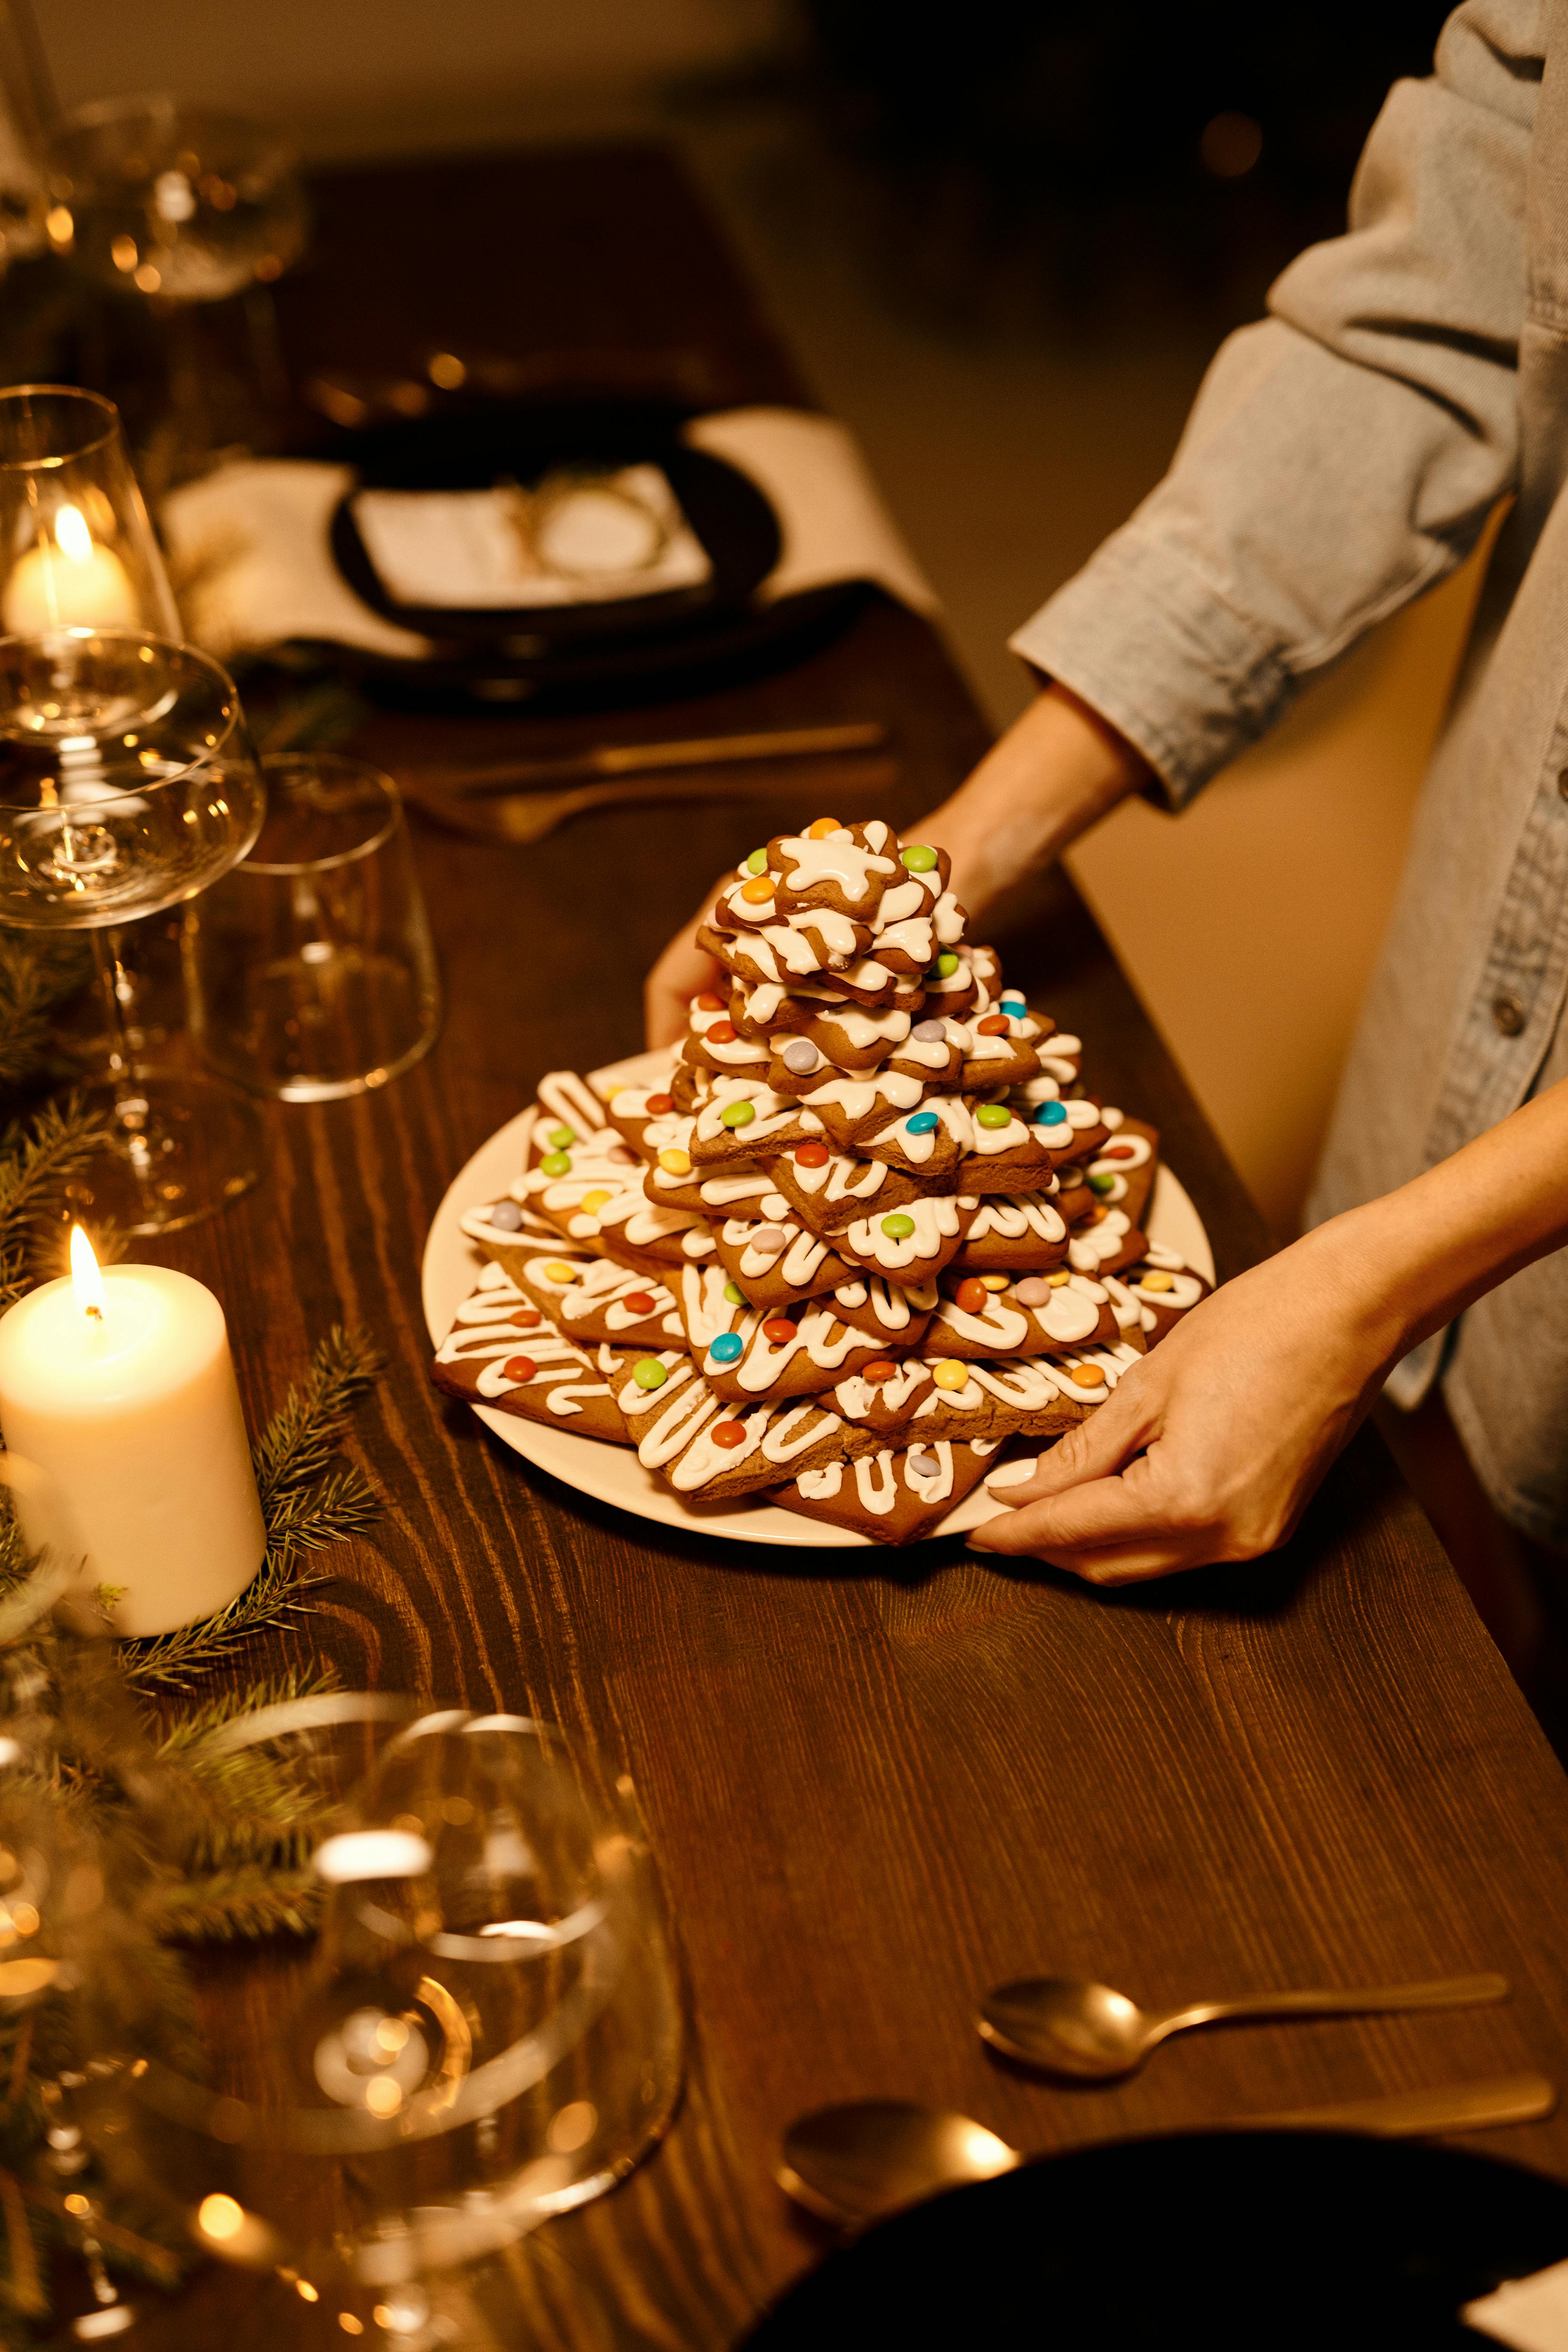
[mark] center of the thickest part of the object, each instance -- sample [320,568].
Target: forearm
[1407,1263]
[1056,772]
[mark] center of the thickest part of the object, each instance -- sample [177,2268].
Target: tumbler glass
[312,971]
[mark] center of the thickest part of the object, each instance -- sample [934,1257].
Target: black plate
[1227,2240]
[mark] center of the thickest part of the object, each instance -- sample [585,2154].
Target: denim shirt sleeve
[1342,454]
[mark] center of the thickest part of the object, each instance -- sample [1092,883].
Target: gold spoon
[1069,2027]
[853,2165]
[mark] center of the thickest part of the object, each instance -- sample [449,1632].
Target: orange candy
[526,1318]
[639,1301]
[822,828]
[994,1025]
[971,1297]
[660,1106]
[728,1433]
[882,1369]
[778,1330]
[811,1155]
[1087,1376]
[708,1003]
[757,891]
[519,1368]
[722,1033]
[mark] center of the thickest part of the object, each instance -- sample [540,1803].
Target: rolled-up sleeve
[1342,454]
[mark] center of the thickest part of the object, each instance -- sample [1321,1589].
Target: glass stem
[110,979]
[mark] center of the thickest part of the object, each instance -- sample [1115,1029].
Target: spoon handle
[1369,2000]
[1411,2114]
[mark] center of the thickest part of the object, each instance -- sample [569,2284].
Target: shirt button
[1507,1015]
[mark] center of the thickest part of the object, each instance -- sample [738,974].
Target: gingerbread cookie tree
[869,1229]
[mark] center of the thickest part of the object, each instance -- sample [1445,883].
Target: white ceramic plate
[613,1473]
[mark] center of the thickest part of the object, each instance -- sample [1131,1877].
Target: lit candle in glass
[69,583]
[117,1385]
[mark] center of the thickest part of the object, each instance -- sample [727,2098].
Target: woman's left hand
[1210,1448]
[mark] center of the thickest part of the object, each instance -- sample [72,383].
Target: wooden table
[877,1783]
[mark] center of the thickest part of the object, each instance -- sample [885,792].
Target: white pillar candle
[69,583]
[118,1386]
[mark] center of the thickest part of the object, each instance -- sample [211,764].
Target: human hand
[1209,1449]
[682,972]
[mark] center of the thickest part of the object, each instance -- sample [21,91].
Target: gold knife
[1410,2115]
[638,759]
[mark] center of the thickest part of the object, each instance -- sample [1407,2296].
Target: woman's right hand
[682,972]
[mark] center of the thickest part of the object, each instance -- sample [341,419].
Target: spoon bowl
[850,2164]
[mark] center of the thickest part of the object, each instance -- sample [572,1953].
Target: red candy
[639,1301]
[778,1330]
[659,1105]
[883,1369]
[519,1368]
[811,1155]
[972,1295]
[708,1003]
[722,1033]
[728,1433]
[1119,1152]
[526,1317]
[994,1025]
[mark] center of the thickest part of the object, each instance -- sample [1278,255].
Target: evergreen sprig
[305,1504]
[37,1158]
[38,971]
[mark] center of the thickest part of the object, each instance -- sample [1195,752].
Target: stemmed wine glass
[128,784]
[488,2032]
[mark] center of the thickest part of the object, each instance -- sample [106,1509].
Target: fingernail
[978,1543]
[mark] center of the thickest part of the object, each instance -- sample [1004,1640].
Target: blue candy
[1013,996]
[924,1122]
[1051,1114]
[727,1346]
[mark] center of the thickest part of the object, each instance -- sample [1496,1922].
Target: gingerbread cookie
[770,1358]
[950,984]
[845,1108]
[506,1232]
[744,1120]
[1121,1175]
[1000,1050]
[1164,1288]
[704,1449]
[889,1311]
[913,1242]
[1016,1233]
[981,1317]
[845,866]
[829,1190]
[1088,1377]
[1105,1241]
[502,1351]
[934,1050]
[895,1497]
[1022,1397]
[1005,1156]
[593,1299]
[709,1303]
[777,1263]
[1072,1129]
[634,1110]
[928,1145]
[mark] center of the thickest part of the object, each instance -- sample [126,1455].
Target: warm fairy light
[350,2325]
[220,2216]
[383,2097]
[86,1277]
[72,536]
[306,2292]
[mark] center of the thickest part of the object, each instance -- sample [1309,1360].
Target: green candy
[898,1227]
[737,1114]
[651,1373]
[733,1294]
[758,862]
[1102,1183]
[993,1114]
[946,964]
[918,857]
[559,1138]
[556,1163]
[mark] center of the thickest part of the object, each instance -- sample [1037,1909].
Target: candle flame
[86,1277]
[72,536]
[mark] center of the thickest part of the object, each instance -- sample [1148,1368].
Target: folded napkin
[251,550]
[1530,2313]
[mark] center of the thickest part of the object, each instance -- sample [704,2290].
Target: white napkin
[251,552]
[1530,2313]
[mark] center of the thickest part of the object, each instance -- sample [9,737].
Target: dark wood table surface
[877,1783]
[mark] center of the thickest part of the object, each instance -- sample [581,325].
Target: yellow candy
[1086,1376]
[557,1270]
[675,1164]
[995,1281]
[951,1374]
[591,1202]
[1060,1278]
[756,893]
[1156,1282]
[822,828]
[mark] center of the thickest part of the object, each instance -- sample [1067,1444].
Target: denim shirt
[1343,457]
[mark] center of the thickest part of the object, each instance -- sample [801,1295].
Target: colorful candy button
[555,1269]
[924,1461]
[995,1025]
[660,1106]
[521,1368]
[778,1330]
[1102,1183]
[1059,1280]
[800,1056]
[733,1294]
[721,1033]
[506,1216]
[919,858]
[651,1373]
[708,1003]
[994,1281]
[591,1202]
[811,1155]
[922,1122]
[898,1227]
[560,1139]
[758,862]
[1087,1376]
[970,1295]
[1051,1114]
[768,1237]
[674,1162]
[757,893]
[951,1374]
[1155,1282]
[823,826]
[946,964]
[640,1302]
[728,1347]
[737,1114]
[1013,996]
[1033,1292]
[994,1115]
[729,1434]
[931,1033]
[556,1163]
[881,1368]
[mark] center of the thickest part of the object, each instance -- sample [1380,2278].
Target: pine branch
[226,1905]
[303,1437]
[35,1160]
[36,973]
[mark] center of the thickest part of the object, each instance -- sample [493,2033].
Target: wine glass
[488,2032]
[128,784]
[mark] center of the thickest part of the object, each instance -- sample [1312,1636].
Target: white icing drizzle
[774,1114]
[935,1221]
[635,1401]
[569,1101]
[486,1332]
[877,1484]
[1011,1215]
[821,1486]
[819,1334]
[932,1486]
[1090,1246]
[705,1310]
[858,1097]
[835,858]
[947,919]
[857,1398]
[676,1421]
[842,1179]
